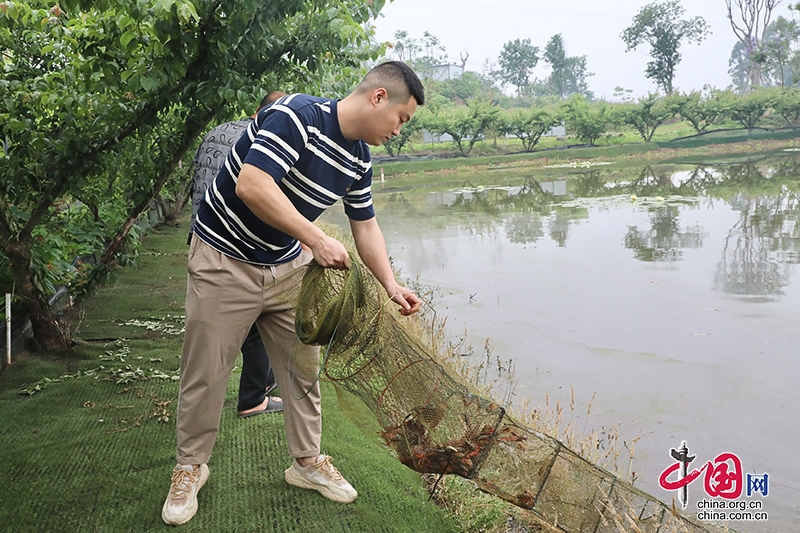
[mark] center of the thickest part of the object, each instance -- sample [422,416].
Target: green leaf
[163,6]
[148,84]
[187,12]
[12,10]
[336,25]
[125,21]
[127,37]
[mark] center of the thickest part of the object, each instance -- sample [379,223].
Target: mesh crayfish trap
[436,424]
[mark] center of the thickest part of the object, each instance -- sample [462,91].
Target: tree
[586,121]
[576,74]
[623,95]
[568,74]
[747,110]
[787,105]
[464,56]
[698,110]
[749,20]
[738,68]
[397,143]
[528,125]
[421,54]
[647,115]
[556,57]
[659,25]
[517,60]
[405,48]
[781,60]
[109,95]
[435,52]
[778,57]
[465,124]
[464,88]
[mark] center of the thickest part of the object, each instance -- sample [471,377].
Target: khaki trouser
[223,298]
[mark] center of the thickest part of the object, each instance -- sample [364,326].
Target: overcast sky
[588,27]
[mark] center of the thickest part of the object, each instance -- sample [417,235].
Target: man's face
[387,118]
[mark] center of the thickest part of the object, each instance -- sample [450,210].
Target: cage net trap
[436,424]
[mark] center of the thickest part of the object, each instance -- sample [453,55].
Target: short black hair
[271,97]
[399,80]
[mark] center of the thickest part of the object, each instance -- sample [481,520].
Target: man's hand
[372,249]
[330,253]
[408,301]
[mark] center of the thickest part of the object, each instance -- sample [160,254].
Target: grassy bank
[92,449]
[708,148]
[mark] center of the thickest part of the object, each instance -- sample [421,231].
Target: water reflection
[646,181]
[653,182]
[522,229]
[664,241]
[531,194]
[760,249]
[757,252]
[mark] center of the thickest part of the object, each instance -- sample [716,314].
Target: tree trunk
[119,239]
[48,331]
[183,193]
[756,77]
[192,132]
[179,202]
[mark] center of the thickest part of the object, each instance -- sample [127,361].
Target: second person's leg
[257,378]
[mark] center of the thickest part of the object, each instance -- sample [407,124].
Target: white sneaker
[323,477]
[181,503]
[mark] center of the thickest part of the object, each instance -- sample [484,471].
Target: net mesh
[436,424]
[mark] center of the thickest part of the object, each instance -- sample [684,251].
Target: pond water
[672,294]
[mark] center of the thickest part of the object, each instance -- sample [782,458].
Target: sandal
[274,405]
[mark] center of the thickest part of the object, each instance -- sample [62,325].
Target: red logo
[723,476]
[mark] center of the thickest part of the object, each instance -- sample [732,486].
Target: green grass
[94,451]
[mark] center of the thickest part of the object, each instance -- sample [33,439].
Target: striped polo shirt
[298,142]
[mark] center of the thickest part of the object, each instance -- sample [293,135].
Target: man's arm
[266,200]
[372,250]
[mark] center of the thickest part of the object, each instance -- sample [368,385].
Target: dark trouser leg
[257,373]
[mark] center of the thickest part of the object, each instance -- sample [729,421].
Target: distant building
[429,138]
[442,72]
[556,131]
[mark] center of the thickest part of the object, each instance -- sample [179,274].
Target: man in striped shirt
[299,157]
[257,379]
